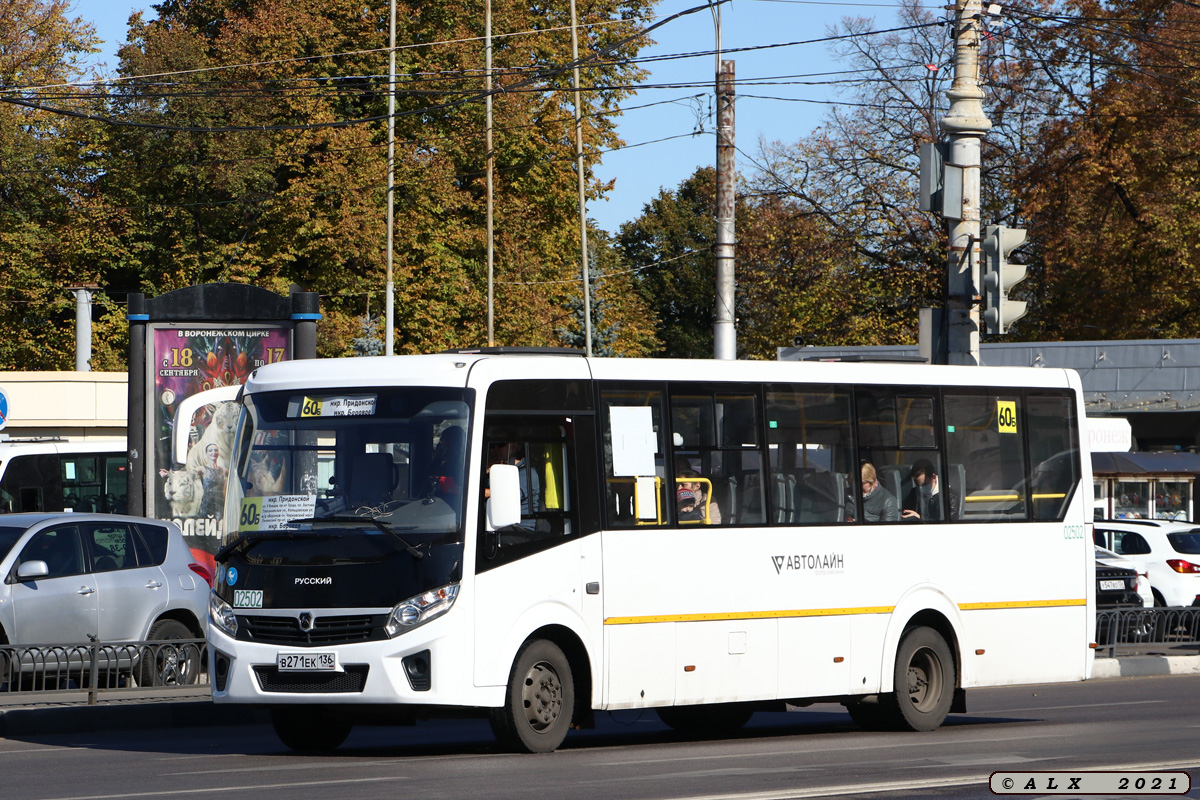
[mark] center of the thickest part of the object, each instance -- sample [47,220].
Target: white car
[1168,552]
[1108,558]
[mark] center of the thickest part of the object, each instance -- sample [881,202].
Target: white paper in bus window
[647,498]
[633,440]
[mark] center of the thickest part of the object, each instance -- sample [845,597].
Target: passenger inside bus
[531,487]
[447,464]
[923,501]
[878,503]
[694,501]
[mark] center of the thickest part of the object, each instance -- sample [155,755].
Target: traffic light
[999,277]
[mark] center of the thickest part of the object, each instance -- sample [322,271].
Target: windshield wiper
[382,526]
[249,538]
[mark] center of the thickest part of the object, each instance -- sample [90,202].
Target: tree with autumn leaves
[1111,190]
[1091,149]
[245,140]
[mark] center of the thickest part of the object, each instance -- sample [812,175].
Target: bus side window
[543,452]
[32,481]
[635,476]
[719,472]
[897,433]
[984,432]
[808,435]
[1053,455]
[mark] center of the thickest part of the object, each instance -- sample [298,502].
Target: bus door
[533,574]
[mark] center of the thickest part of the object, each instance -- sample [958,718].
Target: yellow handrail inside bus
[637,511]
[983,498]
[658,516]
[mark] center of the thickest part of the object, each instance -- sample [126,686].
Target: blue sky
[661,149]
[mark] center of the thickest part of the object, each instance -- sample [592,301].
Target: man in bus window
[878,503]
[923,502]
[531,486]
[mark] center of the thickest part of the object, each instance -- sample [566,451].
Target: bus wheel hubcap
[924,679]
[542,696]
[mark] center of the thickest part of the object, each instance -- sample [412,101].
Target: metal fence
[1122,629]
[97,667]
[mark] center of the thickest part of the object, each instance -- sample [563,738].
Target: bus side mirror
[504,500]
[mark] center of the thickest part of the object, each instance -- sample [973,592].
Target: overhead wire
[646,86]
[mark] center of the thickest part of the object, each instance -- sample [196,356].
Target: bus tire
[710,719]
[306,729]
[539,701]
[924,682]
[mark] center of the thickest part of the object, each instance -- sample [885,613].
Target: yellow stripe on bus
[1077,601]
[735,615]
[828,612]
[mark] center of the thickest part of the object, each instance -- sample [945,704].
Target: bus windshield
[387,461]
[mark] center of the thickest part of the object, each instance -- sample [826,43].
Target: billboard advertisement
[185,360]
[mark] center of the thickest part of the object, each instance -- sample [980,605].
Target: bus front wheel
[539,702]
[924,682]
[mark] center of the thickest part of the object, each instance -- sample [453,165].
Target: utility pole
[579,169]
[491,252]
[725,331]
[389,302]
[965,125]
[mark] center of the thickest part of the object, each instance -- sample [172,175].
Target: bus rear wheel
[539,701]
[924,682]
[310,730]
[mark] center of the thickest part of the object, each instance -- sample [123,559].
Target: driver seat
[371,478]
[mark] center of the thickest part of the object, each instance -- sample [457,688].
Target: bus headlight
[221,615]
[420,609]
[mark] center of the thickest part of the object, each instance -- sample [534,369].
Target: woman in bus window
[878,503]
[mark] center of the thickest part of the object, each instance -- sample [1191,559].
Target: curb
[1142,666]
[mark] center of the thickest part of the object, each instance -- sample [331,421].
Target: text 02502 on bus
[540,537]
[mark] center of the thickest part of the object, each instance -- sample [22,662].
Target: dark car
[1116,586]
[1120,608]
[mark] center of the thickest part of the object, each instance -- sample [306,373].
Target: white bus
[49,473]
[699,537]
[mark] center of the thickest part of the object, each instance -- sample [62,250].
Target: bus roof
[454,369]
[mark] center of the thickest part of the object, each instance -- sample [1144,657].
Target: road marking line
[286,768]
[912,785]
[807,750]
[215,789]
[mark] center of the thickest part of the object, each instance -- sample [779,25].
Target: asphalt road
[1150,723]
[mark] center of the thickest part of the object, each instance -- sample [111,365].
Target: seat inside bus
[372,478]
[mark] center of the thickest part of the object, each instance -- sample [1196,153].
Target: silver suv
[74,578]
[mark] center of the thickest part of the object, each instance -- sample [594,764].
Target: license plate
[307,662]
[1112,586]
